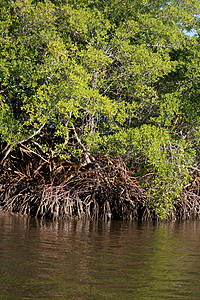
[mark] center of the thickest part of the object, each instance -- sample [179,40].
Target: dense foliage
[105,79]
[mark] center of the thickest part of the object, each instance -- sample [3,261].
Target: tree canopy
[106,78]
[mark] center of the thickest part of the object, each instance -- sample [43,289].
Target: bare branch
[88,157]
[9,147]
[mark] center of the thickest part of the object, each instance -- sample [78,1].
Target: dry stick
[38,169]
[195,169]
[88,157]
[21,142]
[7,153]
[36,154]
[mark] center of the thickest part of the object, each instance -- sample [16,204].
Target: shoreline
[91,202]
[104,189]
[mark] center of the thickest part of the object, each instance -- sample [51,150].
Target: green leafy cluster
[116,78]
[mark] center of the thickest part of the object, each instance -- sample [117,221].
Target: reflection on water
[96,260]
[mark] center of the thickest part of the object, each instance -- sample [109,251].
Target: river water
[98,260]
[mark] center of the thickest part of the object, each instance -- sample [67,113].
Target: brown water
[87,260]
